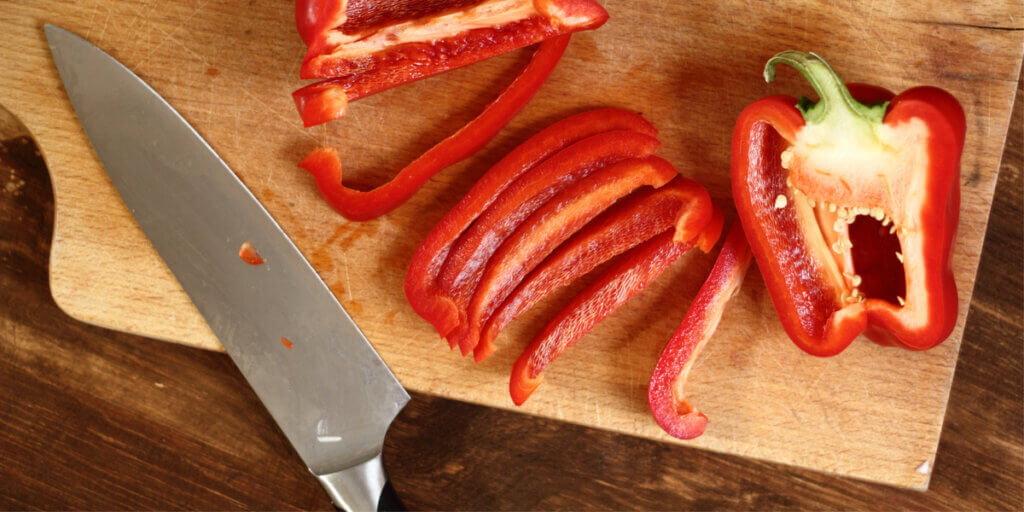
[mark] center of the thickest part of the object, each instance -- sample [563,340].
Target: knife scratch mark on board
[106,21]
[269,179]
[835,429]
[812,387]
[152,49]
[185,21]
[348,277]
[92,17]
[169,36]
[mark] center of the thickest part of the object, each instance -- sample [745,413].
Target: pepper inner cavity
[863,242]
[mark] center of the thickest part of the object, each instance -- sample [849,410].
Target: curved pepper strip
[421,288]
[627,276]
[549,226]
[358,205]
[628,223]
[401,41]
[665,392]
[851,209]
[465,265]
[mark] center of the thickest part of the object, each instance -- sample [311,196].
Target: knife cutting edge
[330,393]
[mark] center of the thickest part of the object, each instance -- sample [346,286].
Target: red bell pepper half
[468,258]
[851,208]
[682,203]
[549,226]
[628,275]
[421,286]
[358,205]
[665,392]
[394,42]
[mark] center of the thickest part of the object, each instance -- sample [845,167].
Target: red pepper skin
[323,24]
[628,223]
[665,392]
[466,262]
[310,15]
[627,276]
[810,304]
[421,286]
[549,226]
[359,205]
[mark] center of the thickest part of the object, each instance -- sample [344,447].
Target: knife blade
[330,393]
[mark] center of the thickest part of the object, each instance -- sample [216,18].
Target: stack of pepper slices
[838,260]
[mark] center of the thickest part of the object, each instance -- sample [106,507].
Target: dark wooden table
[94,419]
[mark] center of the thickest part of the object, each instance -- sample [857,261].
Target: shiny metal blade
[331,393]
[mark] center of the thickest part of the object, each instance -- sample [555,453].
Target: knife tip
[53,31]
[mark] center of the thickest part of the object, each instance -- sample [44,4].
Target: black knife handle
[389,500]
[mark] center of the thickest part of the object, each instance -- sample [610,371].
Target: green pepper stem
[835,99]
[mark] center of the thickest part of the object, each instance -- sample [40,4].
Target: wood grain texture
[230,76]
[98,420]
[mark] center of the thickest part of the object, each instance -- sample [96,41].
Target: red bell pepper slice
[359,205]
[851,209]
[398,41]
[665,392]
[627,276]
[682,203]
[421,287]
[327,100]
[466,262]
[549,226]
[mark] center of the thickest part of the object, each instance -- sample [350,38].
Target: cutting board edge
[72,310]
[63,295]
[662,437]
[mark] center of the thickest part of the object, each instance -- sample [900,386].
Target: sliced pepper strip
[406,64]
[406,40]
[633,220]
[358,205]
[665,392]
[627,276]
[549,226]
[707,239]
[466,262]
[421,278]
[851,209]
[327,100]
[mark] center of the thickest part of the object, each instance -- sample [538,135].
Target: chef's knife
[330,392]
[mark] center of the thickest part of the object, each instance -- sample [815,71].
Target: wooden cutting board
[229,65]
